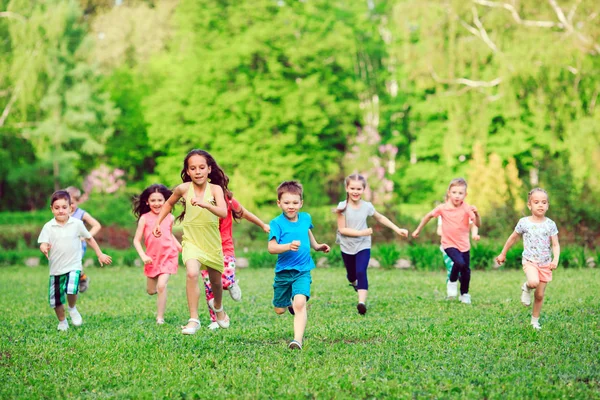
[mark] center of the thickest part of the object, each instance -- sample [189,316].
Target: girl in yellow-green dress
[202,190]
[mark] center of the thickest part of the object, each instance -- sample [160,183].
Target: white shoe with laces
[465,298]
[536,326]
[235,292]
[63,325]
[526,295]
[452,289]
[75,316]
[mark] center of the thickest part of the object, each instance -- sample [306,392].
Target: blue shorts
[287,284]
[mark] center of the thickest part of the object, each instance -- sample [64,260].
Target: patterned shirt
[536,239]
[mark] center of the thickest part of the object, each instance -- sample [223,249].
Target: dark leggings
[356,267]
[461,269]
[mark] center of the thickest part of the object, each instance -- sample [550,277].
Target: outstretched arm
[248,216]
[382,219]
[341,220]
[475,232]
[423,222]
[103,258]
[168,206]
[317,246]
[512,239]
[137,241]
[93,223]
[276,248]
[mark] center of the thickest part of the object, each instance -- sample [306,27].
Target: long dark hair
[217,176]
[140,203]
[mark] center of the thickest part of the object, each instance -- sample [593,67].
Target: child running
[234,211]
[354,237]
[93,223]
[60,241]
[538,232]
[162,253]
[291,239]
[448,263]
[456,214]
[203,205]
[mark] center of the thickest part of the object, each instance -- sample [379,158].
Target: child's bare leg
[300,317]
[217,289]
[60,312]
[151,285]
[161,288]
[72,300]
[539,299]
[191,287]
[362,295]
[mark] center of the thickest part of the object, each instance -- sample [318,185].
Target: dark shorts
[289,283]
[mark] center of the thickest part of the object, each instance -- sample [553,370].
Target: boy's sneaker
[362,308]
[213,326]
[235,292]
[291,310]
[452,289]
[84,282]
[75,317]
[295,345]
[526,295]
[536,326]
[63,325]
[465,298]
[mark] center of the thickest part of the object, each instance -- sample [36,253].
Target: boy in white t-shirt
[60,241]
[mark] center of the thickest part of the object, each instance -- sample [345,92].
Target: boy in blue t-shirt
[291,238]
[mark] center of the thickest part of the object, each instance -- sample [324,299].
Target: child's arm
[177,244]
[512,239]
[317,246]
[439,227]
[137,241]
[423,222]
[475,232]
[103,258]
[248,216]
[220,209]
[555,251]
[477,220]
[382,219]
[276,248]
[168,206]
[45,248]
[93,223]
[341,221]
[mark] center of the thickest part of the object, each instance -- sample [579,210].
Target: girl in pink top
[234,211]
[162,253]
[456,215]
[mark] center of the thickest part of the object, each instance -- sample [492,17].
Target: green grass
[411,344]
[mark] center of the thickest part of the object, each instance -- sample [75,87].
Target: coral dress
[201,236]
[162,250]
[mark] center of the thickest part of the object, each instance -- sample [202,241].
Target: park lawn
[411,344]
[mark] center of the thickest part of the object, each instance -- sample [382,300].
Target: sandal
[223,323]
[295,345]
[186,330]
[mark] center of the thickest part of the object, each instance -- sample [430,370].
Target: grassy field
[411,344]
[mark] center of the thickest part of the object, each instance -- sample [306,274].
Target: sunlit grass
[412,343]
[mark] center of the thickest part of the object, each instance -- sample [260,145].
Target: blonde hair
[350,178]
[537,189]
[457,182]
[73,192]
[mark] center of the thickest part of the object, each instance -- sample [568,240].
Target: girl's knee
[539,295]
[161,288]
[192,275]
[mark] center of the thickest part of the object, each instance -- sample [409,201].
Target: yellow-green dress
[201,237]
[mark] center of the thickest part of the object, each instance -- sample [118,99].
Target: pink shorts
[543,273]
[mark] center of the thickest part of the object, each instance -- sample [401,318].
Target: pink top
[455,225]
[225,227]
[162,250]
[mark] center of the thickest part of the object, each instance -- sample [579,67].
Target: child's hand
[500,259]
[368,232]
[415,233]
[179,248]
[476,237]
[156,231]
[198,201]
[323,247]
[402,232]
[146,259]
[104,259]
[295,245]
[474,209]
[266,228]
[45,248]
[553,265]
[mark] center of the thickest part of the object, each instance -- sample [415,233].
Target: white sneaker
[75,317]
[213,326]
[536,326]
[63,325]
[235,292]
[525,295]
[452,289]
[465,298]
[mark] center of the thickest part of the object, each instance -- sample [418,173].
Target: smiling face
[290,204]
[198,169]
[457,194]
[155,202]
[355,190]
[538,203]
[61,208]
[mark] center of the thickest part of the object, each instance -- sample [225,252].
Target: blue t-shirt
[284,231]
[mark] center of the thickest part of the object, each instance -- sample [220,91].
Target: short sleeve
[44,235]
[309,220]
[370,209]
[341,205]
[520,228]
[553,228]
[275,232]
[82,230]
[437,211]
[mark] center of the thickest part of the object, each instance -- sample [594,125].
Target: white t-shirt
[355,219]
[65,244]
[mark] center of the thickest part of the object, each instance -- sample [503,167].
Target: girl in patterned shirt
[540,236]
